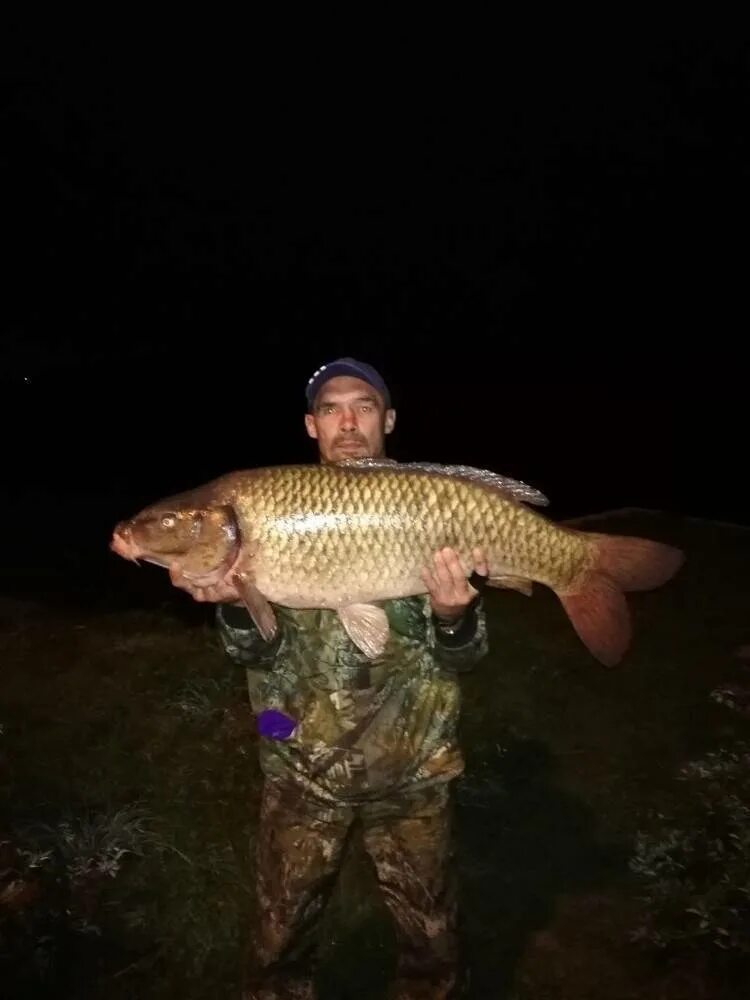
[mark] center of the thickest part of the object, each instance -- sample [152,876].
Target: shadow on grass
[522,840]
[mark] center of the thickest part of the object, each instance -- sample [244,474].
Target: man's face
[349,420]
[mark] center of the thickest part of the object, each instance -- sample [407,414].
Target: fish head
[201,541]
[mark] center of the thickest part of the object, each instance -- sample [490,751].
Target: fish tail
[636,563]
[595,602]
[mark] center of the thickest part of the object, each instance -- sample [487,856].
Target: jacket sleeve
[462,649]
[242,641]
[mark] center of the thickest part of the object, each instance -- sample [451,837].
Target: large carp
[350,535]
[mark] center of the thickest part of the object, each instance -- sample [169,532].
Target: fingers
[217,593]
[447,583]
[449,574]
[481,565]
[445,578]
[211,594]
[226,592]
[429,578]
[449,571]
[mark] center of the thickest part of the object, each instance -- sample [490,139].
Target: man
[344,737]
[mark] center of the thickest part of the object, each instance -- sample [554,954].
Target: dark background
[540,238]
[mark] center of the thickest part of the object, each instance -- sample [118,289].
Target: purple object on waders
[275,725]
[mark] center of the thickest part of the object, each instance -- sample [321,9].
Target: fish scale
[352,535]
[377,517]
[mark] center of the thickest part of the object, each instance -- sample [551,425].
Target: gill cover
[201,540]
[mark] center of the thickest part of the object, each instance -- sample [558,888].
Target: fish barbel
[350,535]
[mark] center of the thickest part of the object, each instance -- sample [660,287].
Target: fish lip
[124,546]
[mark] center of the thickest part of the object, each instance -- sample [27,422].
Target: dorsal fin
[513,488]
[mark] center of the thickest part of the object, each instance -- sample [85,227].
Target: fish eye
[168,521]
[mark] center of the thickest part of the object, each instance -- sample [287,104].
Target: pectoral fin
[367,627]
[258,607]
[512,583]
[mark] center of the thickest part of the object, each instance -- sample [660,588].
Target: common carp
[349,535]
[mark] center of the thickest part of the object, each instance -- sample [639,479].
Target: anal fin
[367,626]
[519,583]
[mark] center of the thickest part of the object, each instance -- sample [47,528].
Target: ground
[130,787]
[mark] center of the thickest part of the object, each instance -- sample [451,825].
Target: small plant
[734,696]
[200,700]
[696,875]
[53,886]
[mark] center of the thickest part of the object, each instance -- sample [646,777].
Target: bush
[696,875]
[54,888]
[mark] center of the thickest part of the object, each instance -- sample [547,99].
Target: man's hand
[450,591]
[218,593]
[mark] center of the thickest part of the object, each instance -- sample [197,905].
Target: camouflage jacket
[361,728]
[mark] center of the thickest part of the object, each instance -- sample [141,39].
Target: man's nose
[348,419]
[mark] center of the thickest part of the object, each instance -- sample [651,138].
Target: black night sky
[543,246]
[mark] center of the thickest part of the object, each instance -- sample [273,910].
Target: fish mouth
[123,544]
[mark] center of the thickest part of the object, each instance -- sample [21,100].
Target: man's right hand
[217,593]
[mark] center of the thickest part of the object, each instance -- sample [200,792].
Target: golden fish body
[327,536]
[352,535]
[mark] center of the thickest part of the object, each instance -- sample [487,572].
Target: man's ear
[312,430]
[390,420]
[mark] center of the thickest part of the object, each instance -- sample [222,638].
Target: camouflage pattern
[300,848]
[364,728]
[374,739]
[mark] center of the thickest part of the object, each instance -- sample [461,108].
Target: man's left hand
[449,589]
[219,593]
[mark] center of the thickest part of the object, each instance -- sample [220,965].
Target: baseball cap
[346,366]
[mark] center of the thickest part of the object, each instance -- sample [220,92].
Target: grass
[130,787]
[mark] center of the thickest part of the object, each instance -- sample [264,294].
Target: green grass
[130,787]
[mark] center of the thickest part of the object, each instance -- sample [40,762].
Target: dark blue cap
[346,366]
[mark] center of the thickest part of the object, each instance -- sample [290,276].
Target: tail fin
[636,563]
[596,605]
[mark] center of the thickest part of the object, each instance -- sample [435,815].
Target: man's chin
[351,451]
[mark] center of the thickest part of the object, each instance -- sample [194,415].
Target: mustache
[349,438]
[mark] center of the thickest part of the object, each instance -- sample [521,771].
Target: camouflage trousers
[299,852]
